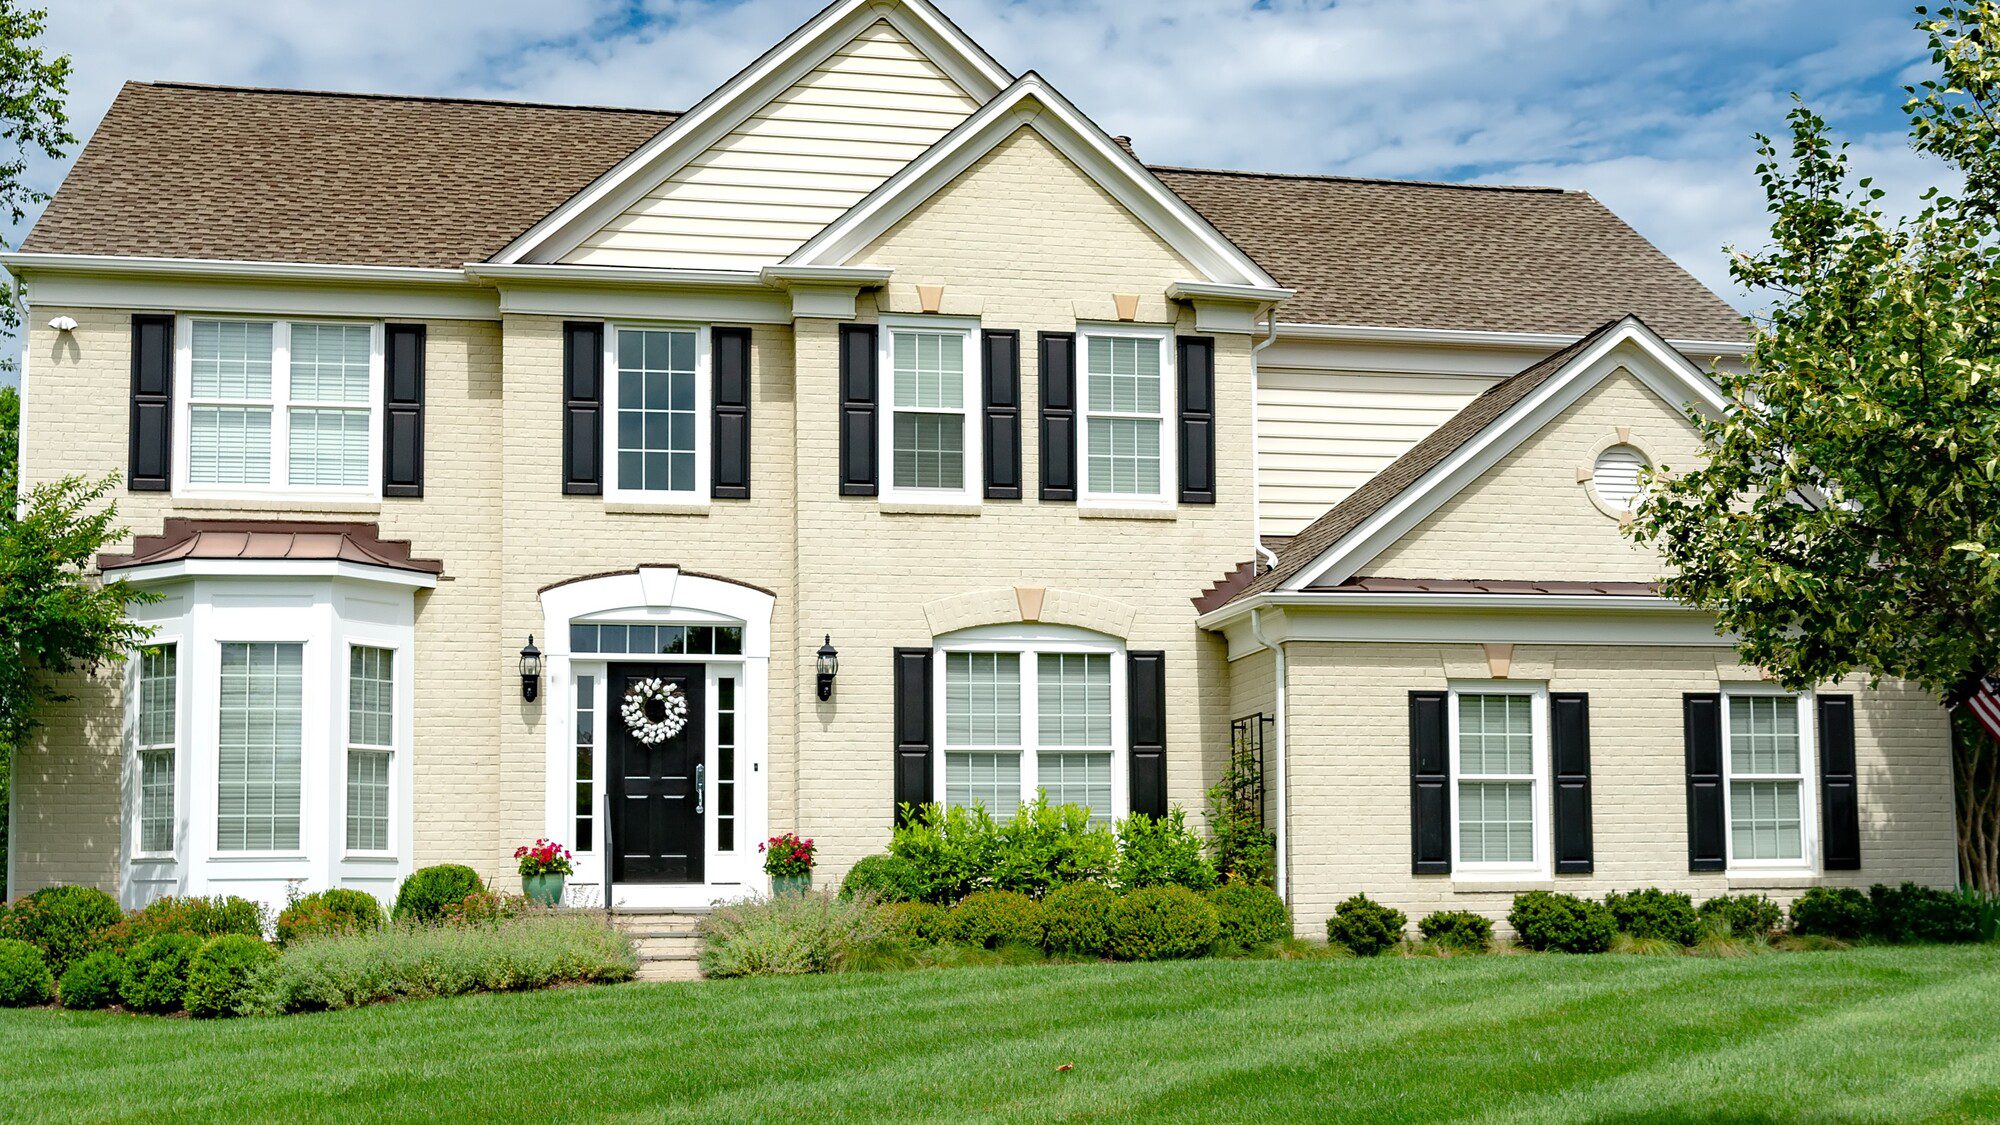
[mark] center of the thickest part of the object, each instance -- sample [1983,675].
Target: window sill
[358,506]
[929,508]
[1093,512]
[368,857]
[1772,881]
[153,859]
[257,857]
[1500,884]
[655,508]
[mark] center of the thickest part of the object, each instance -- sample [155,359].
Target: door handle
[699,789]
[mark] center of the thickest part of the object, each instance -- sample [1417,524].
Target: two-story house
[879,431]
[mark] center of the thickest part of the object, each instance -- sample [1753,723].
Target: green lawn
[1870,1034]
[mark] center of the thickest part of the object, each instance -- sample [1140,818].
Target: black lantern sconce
[531,670]
[829,667]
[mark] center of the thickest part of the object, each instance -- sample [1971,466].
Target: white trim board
[1031,102]
[1336,618]
[712,118]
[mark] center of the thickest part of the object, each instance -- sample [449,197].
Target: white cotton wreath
[673,711]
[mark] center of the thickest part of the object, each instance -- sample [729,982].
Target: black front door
[656,797]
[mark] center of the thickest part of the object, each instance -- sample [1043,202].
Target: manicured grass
[1869,1034]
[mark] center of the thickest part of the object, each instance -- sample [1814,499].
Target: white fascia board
[865,277]
[1475,338]
[1216,291]
[730,104]
[1463,619]
[646,276]
[151,573]
[640,292]
[1032,102]
[257,288]
[25,265]
[1631,345]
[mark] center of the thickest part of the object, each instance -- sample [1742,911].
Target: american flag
[1984,703]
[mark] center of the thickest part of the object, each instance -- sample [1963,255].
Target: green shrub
[1365,926]
[1917,913]
[1161,852]
[487,908]
[156,972]
[952,849]
[64,922]
[25,979]
[202,917]
[1249,915]
[219,974]
[337,910]
[1750,917]
[94,981]
[407,963]
[1240,847]
[1560,923]
[915,923]
[1835,912]
[1654,913]
[428,890]
[1458,929]
[1076,920]
[991,919]
[813,932]
[1046,846]
[1162,923]
[884,878]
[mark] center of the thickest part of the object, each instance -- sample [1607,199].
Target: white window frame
[140,748]
[397,659]
[1808,861]
[972,410]
[1169,493]
[1538,798]
[1030,643]
[281,405]
[704,424]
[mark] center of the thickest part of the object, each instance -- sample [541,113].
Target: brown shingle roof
[187,171]
[182,171]
[1423,255]
[270,539]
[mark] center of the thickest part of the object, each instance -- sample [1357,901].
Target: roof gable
[1034,104]
[879,44]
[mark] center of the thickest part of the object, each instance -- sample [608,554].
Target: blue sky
[1649,105]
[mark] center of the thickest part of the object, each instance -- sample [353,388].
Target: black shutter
[1569,751]
[1002,355]
[583,408]
[149,456]
[1195,361]
[729,447]
[1430,784]
[1058,364]
[858,361]
[913,729]
[1701,726]
[1146,723]
[403,409]
[1839,798]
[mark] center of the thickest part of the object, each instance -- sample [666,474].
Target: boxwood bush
[884,878]
[1162,923]
[1654,913]
[220,973]
[428,890]
[1749,917]
[1458,929]
[338,910]
[1365,926]
[64,922]
[25,979]
[1561,923]
[1835,912]
[1250,915]
[1912,912]
[156,973]
[916,923]
[1162,852]
[992,919]
[1076,920]
[202,917]
[93,982]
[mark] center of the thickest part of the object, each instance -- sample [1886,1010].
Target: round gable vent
[1615,478]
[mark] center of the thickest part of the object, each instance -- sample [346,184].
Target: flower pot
[545,889]
[791,884]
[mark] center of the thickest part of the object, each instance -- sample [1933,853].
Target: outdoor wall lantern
[531,670]
[829,667]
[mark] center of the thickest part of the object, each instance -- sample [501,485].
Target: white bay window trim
[280,403]
[353,742]
[970,409]
[1537,779]
[1089,448]
[1807,861]
[616,489]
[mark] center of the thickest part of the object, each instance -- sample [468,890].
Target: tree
[1848,518]
[32,120]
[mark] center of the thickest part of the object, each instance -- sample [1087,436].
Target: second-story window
[659,432]
[932,443]
[280,405]
[1127,392]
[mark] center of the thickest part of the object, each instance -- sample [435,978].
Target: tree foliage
[33,85]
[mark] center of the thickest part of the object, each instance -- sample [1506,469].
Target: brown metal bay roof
[1365,584]
[293,540]
[188,171]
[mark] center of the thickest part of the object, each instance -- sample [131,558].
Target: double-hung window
[259,748]
[1767,752]
[1127,398]
[371,746]
[932,441]
[1499,761]
[281,405]
[1029,716]
[657,434]
[158,736]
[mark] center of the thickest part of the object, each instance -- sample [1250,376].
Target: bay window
[1766,757]
[1031,713]
[1499,765]
[280,405]
[658,431]
[158,736]
[371,746]
[259,747]
[932,441]
[1127,399]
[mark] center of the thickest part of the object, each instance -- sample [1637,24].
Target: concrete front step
[668,942]
[668,970]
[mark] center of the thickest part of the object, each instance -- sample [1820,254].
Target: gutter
[1284,849]
[1480,338]
[17,261]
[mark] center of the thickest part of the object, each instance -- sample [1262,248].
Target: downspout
[1269,556]
[1278,734]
